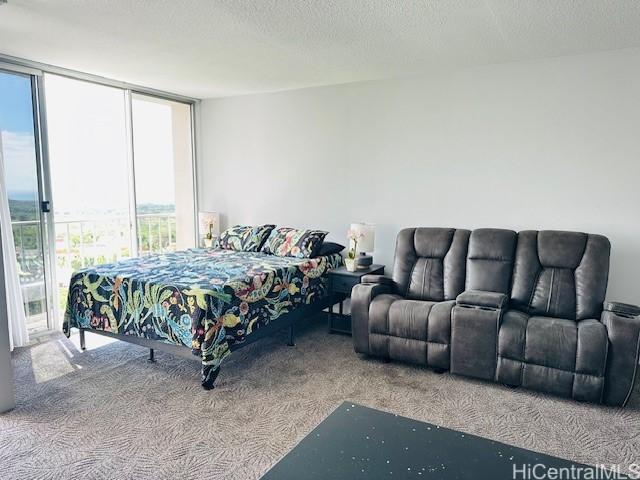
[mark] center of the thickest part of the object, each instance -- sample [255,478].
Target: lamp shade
[209,221]
[366,234]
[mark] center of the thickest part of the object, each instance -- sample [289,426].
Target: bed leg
[83,343]
[291,341]
[152,356]
[209,376]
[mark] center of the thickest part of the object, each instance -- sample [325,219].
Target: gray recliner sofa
[524,309]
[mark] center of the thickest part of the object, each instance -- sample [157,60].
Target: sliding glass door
[19,150]
[121,172]
[88,156]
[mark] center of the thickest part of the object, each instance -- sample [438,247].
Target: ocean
[23,195]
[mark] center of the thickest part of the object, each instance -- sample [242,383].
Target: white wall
[548,144]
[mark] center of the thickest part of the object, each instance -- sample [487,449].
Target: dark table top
[357,442]
[358,273]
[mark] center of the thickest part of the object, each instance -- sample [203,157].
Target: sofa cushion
[553,354]
[551,342]
[490,260]
[554,342]
[560,274]
[430,263]
[410,330]
[408,319]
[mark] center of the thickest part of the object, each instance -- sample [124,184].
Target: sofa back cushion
[560,274]
[490,260]
[430,263]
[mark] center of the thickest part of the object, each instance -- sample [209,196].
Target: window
[164,189]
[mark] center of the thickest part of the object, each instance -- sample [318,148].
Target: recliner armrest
[481,299]
[362,295]
[623,329]
[624,309]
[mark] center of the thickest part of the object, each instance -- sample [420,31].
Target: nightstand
[341,281]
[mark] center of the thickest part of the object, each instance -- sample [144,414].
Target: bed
[211,301]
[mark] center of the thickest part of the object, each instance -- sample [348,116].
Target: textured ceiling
[207,48]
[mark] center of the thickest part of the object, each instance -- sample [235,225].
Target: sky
[15,103]
[88,146]
[16,124]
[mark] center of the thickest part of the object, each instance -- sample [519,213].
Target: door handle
[45,206]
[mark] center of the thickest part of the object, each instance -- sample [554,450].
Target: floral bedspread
[207,299]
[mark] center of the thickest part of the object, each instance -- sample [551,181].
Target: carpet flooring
[108,413]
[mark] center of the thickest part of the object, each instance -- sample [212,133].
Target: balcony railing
[156,233]
[26,236]
[81,243]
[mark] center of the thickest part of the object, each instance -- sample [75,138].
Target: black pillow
[328,248]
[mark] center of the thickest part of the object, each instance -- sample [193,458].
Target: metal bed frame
[287,320]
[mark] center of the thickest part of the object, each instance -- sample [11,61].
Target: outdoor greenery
[23,210]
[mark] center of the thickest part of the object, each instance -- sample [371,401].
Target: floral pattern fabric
[244,238]
[209,300]
[290,242]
